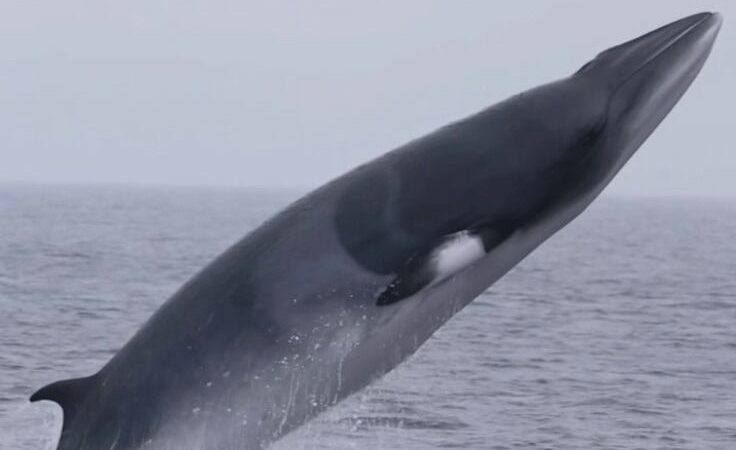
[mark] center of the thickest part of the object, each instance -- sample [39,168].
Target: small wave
[407,423]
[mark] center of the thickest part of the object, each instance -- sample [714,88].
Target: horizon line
[303,188]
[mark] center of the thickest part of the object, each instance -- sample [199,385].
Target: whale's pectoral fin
[69,394]
[451,255]
[405,285]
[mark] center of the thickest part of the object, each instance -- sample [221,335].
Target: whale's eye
[593,132]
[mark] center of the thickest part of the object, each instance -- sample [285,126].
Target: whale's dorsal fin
[69,394]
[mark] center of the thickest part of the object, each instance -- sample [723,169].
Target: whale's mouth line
[656,54]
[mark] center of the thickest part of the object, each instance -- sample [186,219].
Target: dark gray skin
[314,305]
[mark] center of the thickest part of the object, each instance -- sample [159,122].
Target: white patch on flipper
[457,252]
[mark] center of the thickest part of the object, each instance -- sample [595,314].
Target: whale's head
[640,81]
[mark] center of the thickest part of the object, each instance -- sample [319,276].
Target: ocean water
[618,333]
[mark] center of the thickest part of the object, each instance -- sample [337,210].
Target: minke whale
[348,281]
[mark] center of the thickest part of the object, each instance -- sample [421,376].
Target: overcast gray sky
[293,93]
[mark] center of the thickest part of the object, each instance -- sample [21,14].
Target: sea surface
[617,333]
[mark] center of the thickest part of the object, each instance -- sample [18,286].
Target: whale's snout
[665,48]
[644,78]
